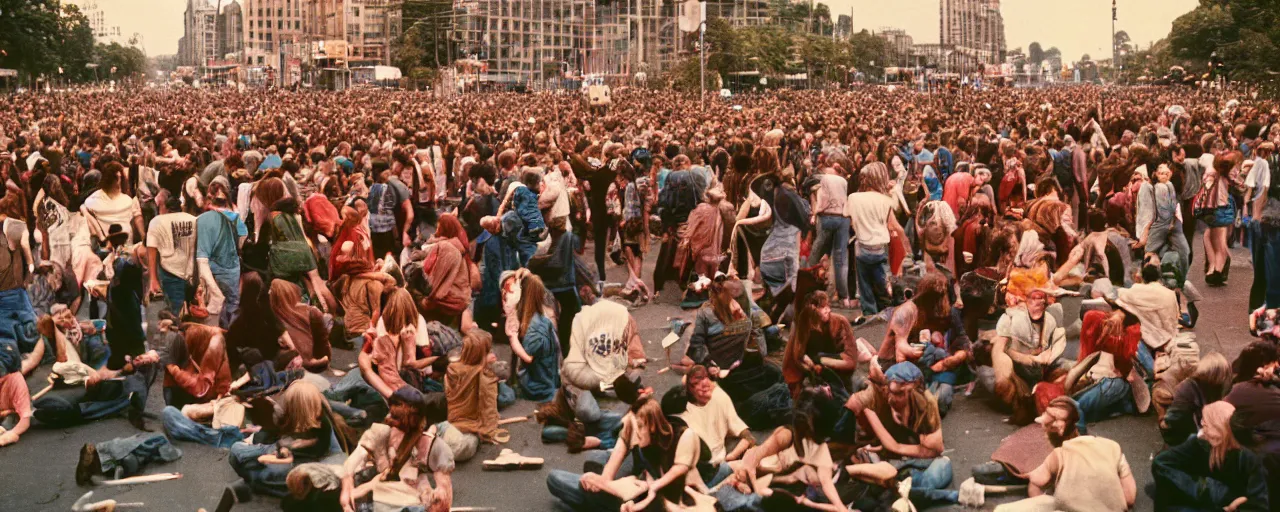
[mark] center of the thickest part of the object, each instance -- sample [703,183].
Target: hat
[904,372]
[117,235]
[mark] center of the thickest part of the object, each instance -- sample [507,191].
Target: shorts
[1222,216]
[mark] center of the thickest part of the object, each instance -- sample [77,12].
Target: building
[899,46]
[103,32]
[528,41]
[273,32]
[844,26]
[369,27]
[230,31]
[975,29]
[199,43]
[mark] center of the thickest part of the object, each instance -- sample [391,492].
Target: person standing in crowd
[830,193]
[171,240]
[871,213]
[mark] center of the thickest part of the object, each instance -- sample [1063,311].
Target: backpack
[289,254]
[1062,171]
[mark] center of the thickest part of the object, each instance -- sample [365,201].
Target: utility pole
[1115,63]
[702,52]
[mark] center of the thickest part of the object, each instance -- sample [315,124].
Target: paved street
[39,469]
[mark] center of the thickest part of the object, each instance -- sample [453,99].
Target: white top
[1259,178]
[173,236]
[119,210]
[715,422]
[869,212]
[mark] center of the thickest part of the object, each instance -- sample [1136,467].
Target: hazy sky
[1084,27]
[1076,27]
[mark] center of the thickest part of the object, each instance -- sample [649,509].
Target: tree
[868,52]
[425,42]
[1054,54]
[127,61]
[1085,58]
[1035,54]
[75,44]
[822,20]
[29,35]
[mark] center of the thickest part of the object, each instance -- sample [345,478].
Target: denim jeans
[175,291]
[1166,236]
[357,394]
[94,350]
[133,453]
[567,486]
[833,238]
[229,283]
[605,428]
[266,479]
[873,271]
[929,481]
[183,428]
[1107,398]
[1146,359]
[506,395]
[1266,267]
[78,405]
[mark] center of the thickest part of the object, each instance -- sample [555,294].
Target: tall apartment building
[230,30]
[273,28]
[199,43]
[974,28]
[899,46]
[525,41]
[369,27]
[102,31]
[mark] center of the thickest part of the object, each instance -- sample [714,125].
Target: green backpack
[290,254]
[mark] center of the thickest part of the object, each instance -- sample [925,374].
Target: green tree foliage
[425,40]
[776,50]
[1245,34]
[29,35]
[129,62]
[1035,54]
[75,43]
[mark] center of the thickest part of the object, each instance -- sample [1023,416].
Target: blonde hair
[1213,375]
[874,177]
[1217,416]
[303,405]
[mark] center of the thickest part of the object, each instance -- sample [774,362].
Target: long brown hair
[476,345]
[269,191]
[807,319]
[399,312]
[661,433]
[532,296]
[302,406]
[285,297]
[723,308]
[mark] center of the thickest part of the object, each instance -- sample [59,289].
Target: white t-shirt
[869,212]
[173,235]
[1259,178]
[714,422]
[120,210]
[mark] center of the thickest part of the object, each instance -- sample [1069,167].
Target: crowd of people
[233,244]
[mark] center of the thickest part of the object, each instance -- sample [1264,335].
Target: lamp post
[702,51]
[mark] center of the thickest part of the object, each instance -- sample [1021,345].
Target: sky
[160,21]
[1077,27]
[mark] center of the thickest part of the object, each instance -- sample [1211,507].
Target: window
[355,11]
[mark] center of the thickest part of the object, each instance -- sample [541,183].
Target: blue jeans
[873,271]
[1147,360]
[175,291]
[567,486]
[1266,267]
[94,350]
[929,481]
[833,238]
[78,405]
[229,283]
[353,393]
[183,428]
[605,428]
[506,395]
[266,479]
[1108,398]
[133,453]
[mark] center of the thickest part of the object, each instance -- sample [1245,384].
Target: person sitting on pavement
[1028,347]
[663,454]
[389,467]
[1211,471]
[928,332]
[898,421]
[1210,383]
[1085,472]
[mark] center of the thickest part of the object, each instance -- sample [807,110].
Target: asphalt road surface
[38,472]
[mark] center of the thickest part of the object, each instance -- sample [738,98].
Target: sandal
[509,460]
[500,436]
